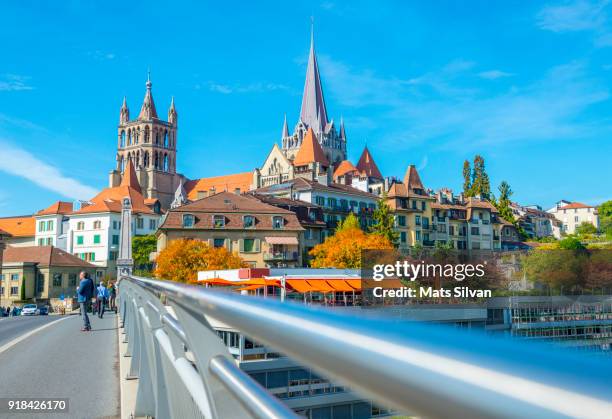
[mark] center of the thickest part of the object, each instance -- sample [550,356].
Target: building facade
[262,235]
[572,214]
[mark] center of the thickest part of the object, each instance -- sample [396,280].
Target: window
[79,239]
[332,203]
[140,223]
[14,277]
[320,200]
[475,231]
[41,226]
[81,225]
[72,280]
[96,239]
[218,221]
[344,204]
[152,224]
[49,241]
[278,222]
[401,220]
[41,242]
[218,242]
[116,225]
[113,254]
[403,237]
[40,283]
[249,246]
[576,219]
[451,230]
[248,221]
[423,205]
[414,203]
[115,239]
[417,235]
[97,225]
[188,220]
[57,280]
[425,222]
[417,220]
[14,290]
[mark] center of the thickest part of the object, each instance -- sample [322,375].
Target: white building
[572,214]
[52,225]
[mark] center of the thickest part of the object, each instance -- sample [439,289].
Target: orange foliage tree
[343,249]
[182,260]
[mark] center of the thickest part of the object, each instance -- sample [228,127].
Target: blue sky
[525,84]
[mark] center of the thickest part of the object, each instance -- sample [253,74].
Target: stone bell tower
[150,143]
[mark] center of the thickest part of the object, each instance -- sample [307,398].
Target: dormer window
[278,222]
[218,221]
[188,220]
[248,221]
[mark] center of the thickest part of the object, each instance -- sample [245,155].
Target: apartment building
[261,234]
[572,214]
[534,221]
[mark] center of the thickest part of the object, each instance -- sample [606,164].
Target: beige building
[261,234]
[40,274]
[572,214]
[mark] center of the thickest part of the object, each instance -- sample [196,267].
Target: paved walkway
[61,361]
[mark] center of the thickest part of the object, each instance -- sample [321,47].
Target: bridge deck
[61,361]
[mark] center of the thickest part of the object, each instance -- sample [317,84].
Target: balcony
[429,243]
[280,256]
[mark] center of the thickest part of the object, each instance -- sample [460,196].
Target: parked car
[29,310]
[43,311]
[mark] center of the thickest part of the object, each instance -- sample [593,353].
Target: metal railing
[185,370]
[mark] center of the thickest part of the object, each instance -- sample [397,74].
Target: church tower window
[122,139]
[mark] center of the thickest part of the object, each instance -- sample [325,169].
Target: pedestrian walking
[102,297]
[112,290]
[85,292]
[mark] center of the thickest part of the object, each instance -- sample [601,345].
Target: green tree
[22,290]
[481,184]
[503,203]
[585,228]
[467,179]
[384,221]
[571,243]
[142,247]
[351,221]
[605,218]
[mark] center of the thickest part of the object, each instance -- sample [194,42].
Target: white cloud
[23,164]
[493,74]
[423,163]
[579,16]
[14,82]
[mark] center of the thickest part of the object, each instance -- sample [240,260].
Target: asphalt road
[61,361]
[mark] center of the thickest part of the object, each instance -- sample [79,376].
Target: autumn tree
[343,249]
[384,221]
[183,259]
[351,221]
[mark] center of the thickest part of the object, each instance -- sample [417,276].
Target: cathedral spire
[342,132]
[124,113]
[285,128]
[313,104]
[148,111]
[172,115]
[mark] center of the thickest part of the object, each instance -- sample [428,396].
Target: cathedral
[317,148]
[150,144]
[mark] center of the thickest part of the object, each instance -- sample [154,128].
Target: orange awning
[259,281]
[340,285]
[355,283]
[299,285]
[320,285]
[218,281]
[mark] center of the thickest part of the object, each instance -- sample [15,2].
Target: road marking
[15,341]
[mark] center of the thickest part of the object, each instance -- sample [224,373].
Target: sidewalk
[61,361]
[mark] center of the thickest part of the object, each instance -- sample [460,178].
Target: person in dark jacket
[85,292]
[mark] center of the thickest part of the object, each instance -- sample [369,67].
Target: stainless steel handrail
[418,369]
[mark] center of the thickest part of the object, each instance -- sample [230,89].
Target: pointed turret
[313,112]
[367,165]
[148,111]
[180,196]
[285,128]
[412,180]
[172,115]
[124,113]
[310,151]
[129,177]
[342,133]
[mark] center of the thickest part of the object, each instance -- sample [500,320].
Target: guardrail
[185,371]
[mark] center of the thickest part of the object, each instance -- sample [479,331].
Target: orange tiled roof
[367,165]
[19,226]
[109,200]
[59,207]
[310,151]
[4,233]
[228,183]
[343,168]
[576,205]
